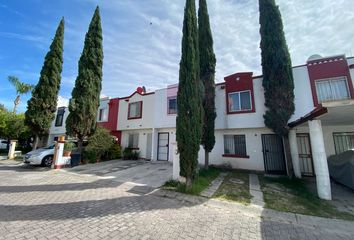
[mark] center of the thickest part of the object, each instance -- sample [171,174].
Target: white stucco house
[322,125]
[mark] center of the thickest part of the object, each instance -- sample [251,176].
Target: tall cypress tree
[189,118]
[42,105]
[207,76]
[278,82]
[85,96]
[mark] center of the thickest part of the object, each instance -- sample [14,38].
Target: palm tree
[21,88]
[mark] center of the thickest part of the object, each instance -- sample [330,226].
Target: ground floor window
[343,142]
[133,140]
[235,145]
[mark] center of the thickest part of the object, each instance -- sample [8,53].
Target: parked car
[341,168]
[3,144]
[41,156]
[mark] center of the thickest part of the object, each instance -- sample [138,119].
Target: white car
[41,156]
[3,144]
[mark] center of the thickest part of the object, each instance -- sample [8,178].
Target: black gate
[273,154]
[305,156]
[163,146]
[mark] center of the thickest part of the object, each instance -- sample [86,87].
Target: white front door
[163,146]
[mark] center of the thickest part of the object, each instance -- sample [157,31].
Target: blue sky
[138,53]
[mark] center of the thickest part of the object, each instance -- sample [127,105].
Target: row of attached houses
[322,125]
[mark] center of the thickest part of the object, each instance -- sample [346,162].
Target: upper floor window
[135,110]
[332,89]
[102,115]
[60,117]
[172,105]
[235,145]
[240,101]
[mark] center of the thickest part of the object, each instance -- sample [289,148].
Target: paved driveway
[90,203]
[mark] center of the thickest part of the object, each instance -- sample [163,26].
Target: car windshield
[50,147]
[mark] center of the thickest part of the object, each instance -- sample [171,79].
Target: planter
[67,153]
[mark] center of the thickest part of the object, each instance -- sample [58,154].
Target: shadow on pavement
[102,183]
[89,209]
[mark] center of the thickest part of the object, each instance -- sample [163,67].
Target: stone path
[56,204]
[255,191]
[213,187]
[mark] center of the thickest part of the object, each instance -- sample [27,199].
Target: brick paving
[40,204]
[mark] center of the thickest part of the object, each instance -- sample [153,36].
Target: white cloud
[62,101]
[142,39]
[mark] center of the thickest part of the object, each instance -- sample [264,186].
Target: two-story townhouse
[136,122]
[322,125]
[107,117]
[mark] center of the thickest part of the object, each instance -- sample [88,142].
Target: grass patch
[205,177]
[235,187]
[292,195]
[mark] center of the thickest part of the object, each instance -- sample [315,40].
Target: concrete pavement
[57,204]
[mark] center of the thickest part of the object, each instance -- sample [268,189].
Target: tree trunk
[289,164]
[16,103]
[35,143]
[206,166]
[80,147]
[189,183]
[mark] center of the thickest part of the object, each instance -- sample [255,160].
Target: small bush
[130,154]
[114,152]
[98,145]
[69,146]
[90,155]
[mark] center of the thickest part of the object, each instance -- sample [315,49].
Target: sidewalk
[332,225]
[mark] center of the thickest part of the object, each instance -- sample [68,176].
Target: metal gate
[305,156]
[273,154]
[162,146]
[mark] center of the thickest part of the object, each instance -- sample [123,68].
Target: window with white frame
[102,115]
[133,141]
[343,141]
[332,89]
[235,145]
[240,101]
[172,105]
[134,110]
[60,117]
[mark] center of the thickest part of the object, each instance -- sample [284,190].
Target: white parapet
[320,160]
[294,153]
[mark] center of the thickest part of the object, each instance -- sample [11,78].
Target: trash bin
[75,159]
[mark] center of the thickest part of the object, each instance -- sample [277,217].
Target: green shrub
[114,152]
[69,146]
[98,145]
[130,154]
[90,155]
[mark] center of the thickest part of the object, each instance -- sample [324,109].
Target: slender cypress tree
[85,96]
[42,105]
[278,82]
[207,76]
[189,118]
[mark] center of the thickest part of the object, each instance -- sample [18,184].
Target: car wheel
[47,161]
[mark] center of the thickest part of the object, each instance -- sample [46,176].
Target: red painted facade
[328,68]
[239,82]
[112,124]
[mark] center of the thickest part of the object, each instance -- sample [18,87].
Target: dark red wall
[111,124]
[328,68]
[245,82]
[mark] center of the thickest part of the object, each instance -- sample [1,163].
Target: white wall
[103,105]
[142,144]
[303,94]
[147,120]
[161,117]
